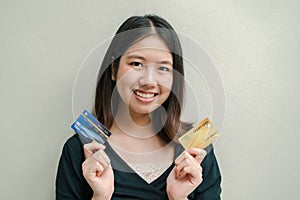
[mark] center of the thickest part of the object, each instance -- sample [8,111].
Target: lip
[148,97]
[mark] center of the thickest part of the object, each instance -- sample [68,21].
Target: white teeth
[144,95]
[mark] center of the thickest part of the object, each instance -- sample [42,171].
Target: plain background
[255,45]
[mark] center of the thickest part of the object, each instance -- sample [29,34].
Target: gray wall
[254,44]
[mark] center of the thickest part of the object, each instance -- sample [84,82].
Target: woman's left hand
[186,174]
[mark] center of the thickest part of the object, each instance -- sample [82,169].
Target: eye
[164,69]
[136,64]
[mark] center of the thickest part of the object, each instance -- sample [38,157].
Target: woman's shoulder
[210,158]
[73,146]
[74,140]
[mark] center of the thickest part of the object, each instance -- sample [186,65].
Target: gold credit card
[200,136]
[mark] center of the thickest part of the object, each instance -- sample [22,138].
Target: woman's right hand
[97,171]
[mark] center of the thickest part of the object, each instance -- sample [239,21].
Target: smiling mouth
[146,95]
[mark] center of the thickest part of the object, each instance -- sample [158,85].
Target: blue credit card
[96,122]
[89,128]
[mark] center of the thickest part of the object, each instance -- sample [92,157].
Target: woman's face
[145,75]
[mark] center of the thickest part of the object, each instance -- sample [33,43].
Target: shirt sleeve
[70,183]
[210,188]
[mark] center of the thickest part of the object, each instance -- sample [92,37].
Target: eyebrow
[133,56]
[136,57]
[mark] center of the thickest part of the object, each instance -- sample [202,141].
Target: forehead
[151,43]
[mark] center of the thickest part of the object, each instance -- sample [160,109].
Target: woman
[138,98]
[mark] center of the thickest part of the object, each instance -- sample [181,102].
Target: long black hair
[131,31]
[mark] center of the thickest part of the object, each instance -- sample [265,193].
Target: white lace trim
[149,171]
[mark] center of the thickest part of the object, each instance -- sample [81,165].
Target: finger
[185,155]
[183,164]
[108,171]
[100,169]
[182,157]
[102,157]
[179,168]
[181,174]
[91,168]
[197,153]
[188,162]
[193,171]
[173,172]
[178,171]
[90,148]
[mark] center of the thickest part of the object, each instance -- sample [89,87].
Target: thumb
[90,148]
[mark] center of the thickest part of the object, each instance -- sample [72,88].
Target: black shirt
[70,183]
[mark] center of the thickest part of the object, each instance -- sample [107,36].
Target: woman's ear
[113,69]
[113,72]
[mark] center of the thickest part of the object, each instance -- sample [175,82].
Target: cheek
[166,82]
[127,78]
[166,87]
[126,81]
[124,92]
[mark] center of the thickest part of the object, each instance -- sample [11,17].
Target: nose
[149,76]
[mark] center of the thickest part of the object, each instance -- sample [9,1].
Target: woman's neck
[138,127]
[133,131]
[133,123]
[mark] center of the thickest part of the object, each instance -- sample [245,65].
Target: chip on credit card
[200,136]
[90,129]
